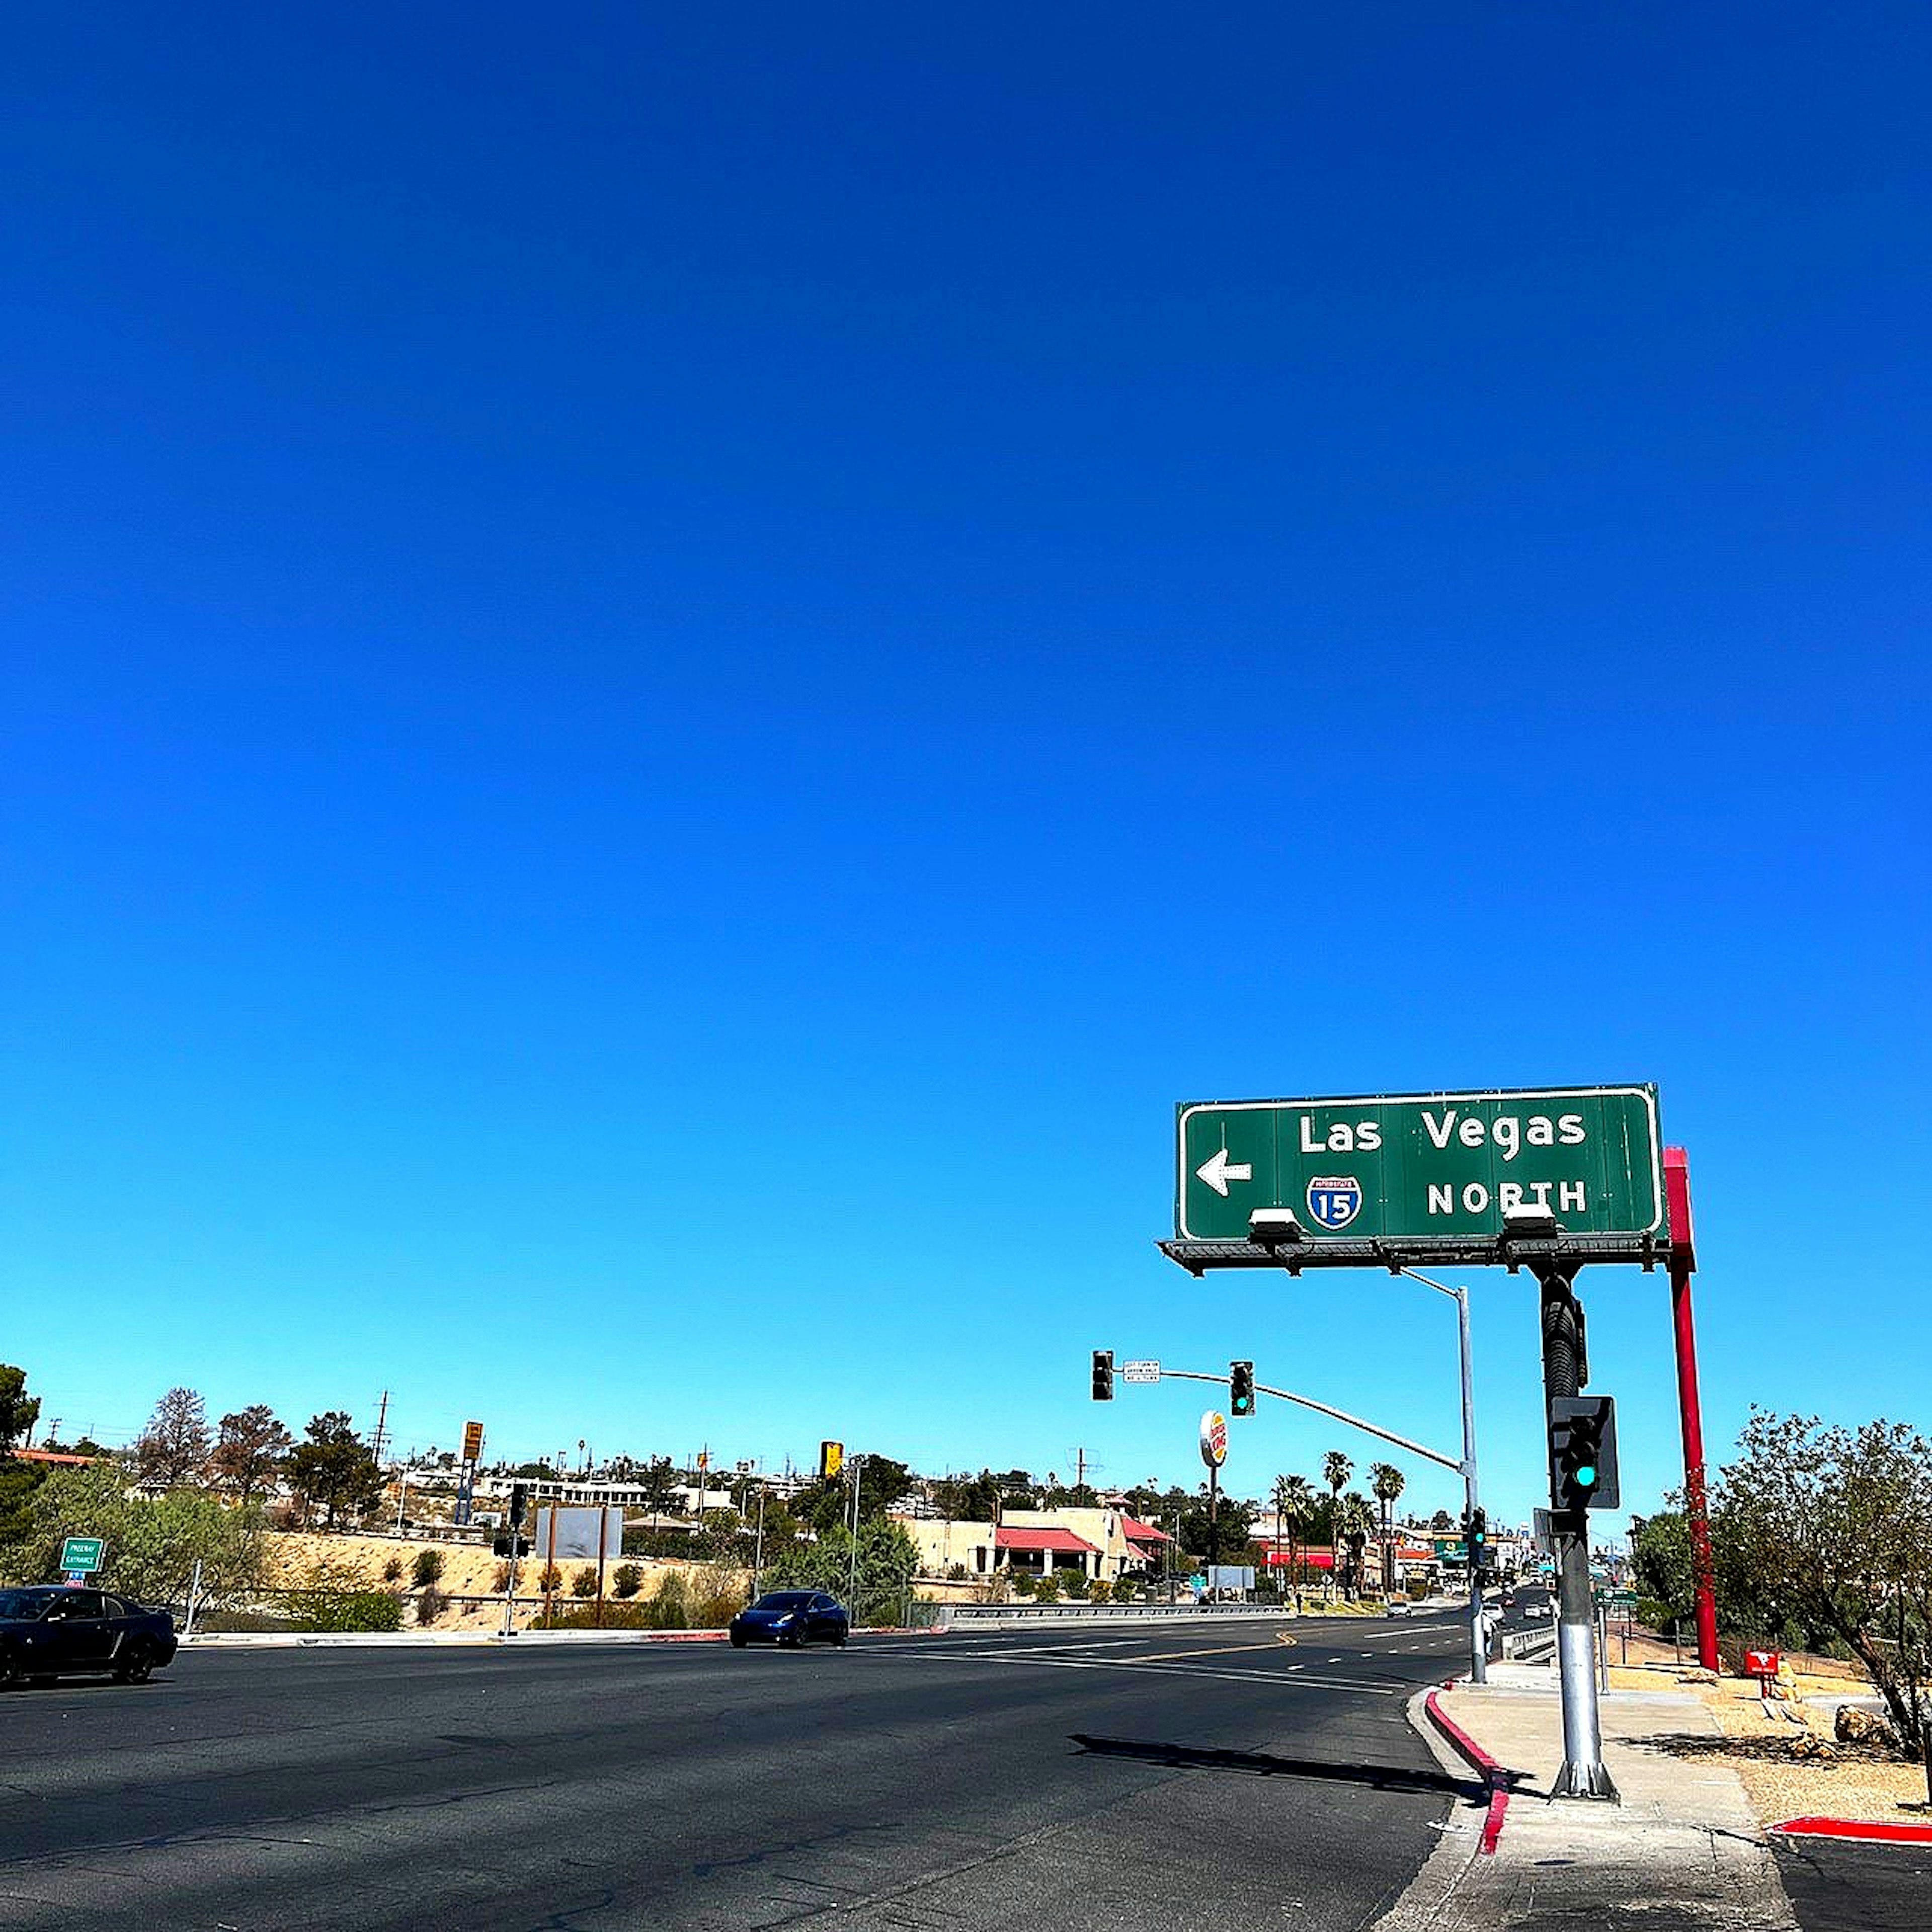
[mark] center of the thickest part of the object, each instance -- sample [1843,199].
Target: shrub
[392,1571]
[670,1607]
[1075,1585]
[584,1583]
[626,1580]
[1100,1591]
[550,1579]
[351,1610]
[431,1604]
[716,1595]
[615,1616]
[499,1580]
[427,1571]
[1047,1590]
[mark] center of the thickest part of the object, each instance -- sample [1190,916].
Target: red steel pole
[1683,1265]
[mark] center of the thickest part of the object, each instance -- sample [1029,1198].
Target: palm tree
[1387,1482]
[1355,1523]
[1298,1507]
[1336,1470]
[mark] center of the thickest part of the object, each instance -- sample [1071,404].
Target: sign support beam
[1683,1265]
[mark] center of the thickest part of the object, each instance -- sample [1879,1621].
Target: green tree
[333,1469]
[967,1498]
[152,1544]
[1828,1530]
[18,1481]
[1666,1578]
[657,1483]
[1336,1470]
[1234,1523]
[888,1558]
[1386,1483]
[18,1411]
[1355,1523]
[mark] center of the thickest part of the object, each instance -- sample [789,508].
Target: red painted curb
[1494,1775]
[1861,1831]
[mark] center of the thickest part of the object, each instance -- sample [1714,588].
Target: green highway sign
[83,1555]
[1422,1167]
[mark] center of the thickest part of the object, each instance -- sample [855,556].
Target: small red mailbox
[1763,1664]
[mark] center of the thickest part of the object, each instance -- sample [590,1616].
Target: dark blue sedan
[793,1617]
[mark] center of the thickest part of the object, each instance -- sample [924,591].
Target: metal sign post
[1584,1774]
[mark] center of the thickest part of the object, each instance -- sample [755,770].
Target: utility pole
[1479,1642]
[381,1417]
[858,1465]
[1584,1774]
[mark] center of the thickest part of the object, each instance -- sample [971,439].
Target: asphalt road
[1153,1779]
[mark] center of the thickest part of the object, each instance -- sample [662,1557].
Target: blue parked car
[793,1617]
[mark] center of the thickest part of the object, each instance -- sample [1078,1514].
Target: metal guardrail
[1528,1646]
[1022,1616]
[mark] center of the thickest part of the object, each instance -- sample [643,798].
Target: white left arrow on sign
[1217,1170]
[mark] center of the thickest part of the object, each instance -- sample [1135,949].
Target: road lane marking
[1225,1650]
[1382,1686]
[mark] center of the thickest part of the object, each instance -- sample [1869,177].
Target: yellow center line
[1226,1650]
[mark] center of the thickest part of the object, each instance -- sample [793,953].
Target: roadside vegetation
[1821,1543]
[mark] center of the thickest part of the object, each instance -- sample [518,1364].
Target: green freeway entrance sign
[1421,1168]
[81,1555]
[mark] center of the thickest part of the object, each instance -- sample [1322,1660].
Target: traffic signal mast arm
[1454,1463]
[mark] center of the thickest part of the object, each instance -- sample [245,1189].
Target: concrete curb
[1495,1776]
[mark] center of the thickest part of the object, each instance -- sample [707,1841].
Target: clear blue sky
[669,673]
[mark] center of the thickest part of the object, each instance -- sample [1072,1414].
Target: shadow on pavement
[1264,1764]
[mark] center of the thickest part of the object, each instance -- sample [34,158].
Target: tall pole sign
[1213,1452]
[466,1481]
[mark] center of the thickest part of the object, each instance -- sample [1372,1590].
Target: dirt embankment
[298,1559]
[1783,1748]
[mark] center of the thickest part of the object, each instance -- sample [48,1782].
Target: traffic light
[512,1546]
[1583,1452]
[1240,1388]
[1476,1539]
[1103,1375]
[520,1501]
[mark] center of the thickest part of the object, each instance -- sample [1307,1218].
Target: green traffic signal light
[1240,1388]
[1586,1475]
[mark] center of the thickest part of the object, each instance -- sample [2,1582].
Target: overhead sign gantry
[1544,1179]
[1418,1178]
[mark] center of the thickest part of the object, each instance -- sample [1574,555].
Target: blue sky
[667,678]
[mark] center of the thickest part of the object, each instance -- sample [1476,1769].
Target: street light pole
[1479,1647]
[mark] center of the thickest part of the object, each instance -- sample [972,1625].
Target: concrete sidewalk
[1682,1850]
